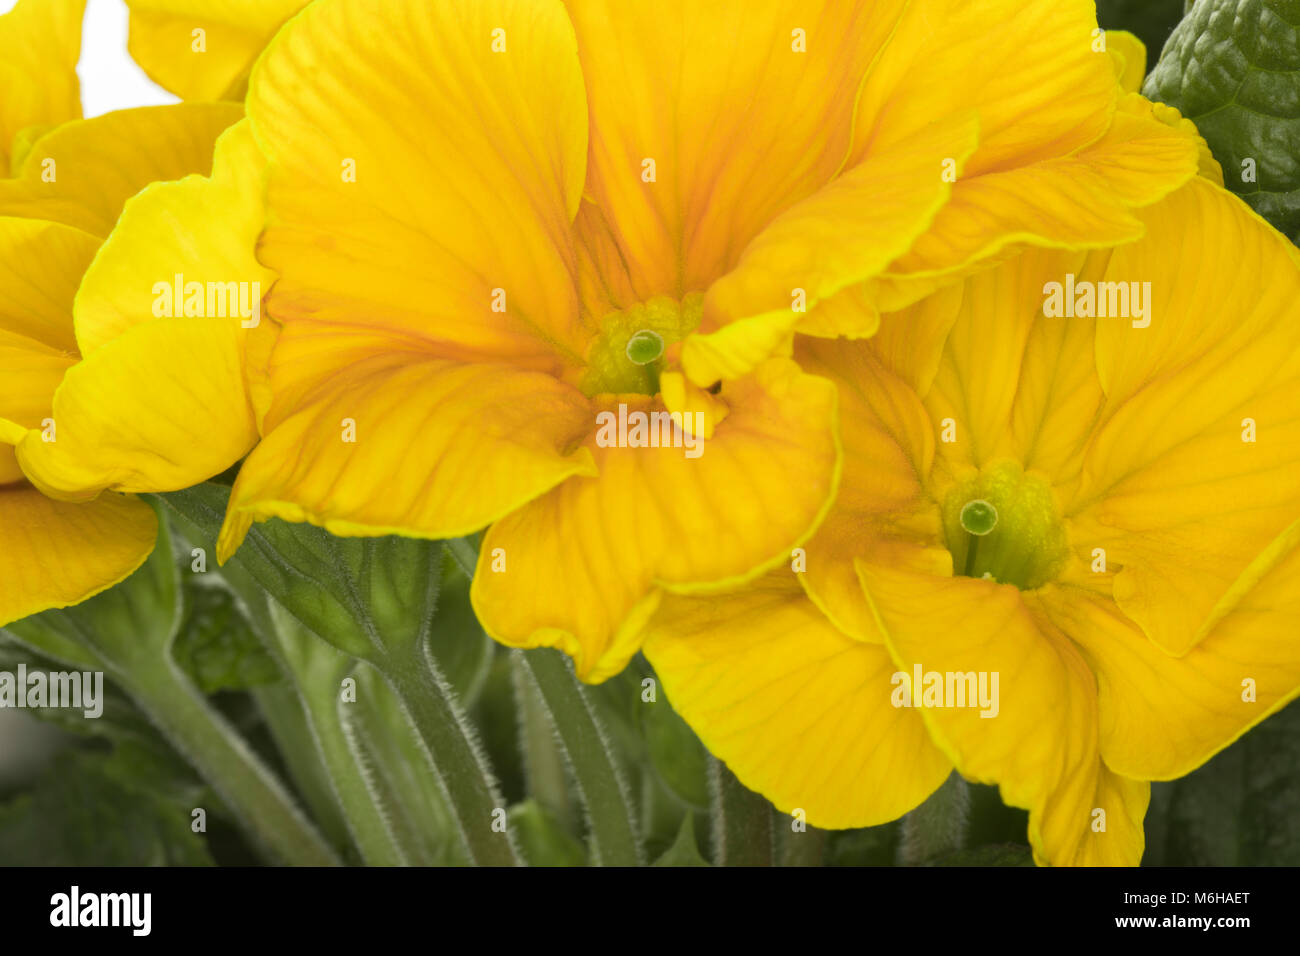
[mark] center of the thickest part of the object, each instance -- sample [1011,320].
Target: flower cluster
[893,375]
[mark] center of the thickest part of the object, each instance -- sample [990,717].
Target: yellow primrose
[52,553]
[514,240]
[40,43]
[169,324]
[1064,558]
[81,337]
[203,49]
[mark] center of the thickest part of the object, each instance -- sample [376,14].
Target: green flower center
[628,353]
[1004,525]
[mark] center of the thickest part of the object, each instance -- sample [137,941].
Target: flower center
[1004,525]
[630,350]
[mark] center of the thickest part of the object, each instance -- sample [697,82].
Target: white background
[110,80]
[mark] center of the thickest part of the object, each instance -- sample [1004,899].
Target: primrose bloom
[1064,554]
[94,399]
[40,43]
[540,267]
[201,49]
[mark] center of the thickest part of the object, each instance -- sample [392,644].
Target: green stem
[227,763]
[600,783]
[546,771]
[806,848]
[467,783]
[972,548]
[294,739]
[937,827]
[317,670]
[742,821]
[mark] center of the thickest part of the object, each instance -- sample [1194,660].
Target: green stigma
[645,347]
[626,354]
[979,517]
[1004,525]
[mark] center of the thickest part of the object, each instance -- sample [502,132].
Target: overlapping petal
[584,563]
[56,553]
[1163,716]
[452,445]
[797,710]
[883,507]
[82,172]
[204,49]
[738,131]
[161,399]
[424,173]
[1040,742]
[40,43]
[1195,466]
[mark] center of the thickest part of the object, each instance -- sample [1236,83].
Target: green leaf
[676,753]
[217,648]
[1242,808]
[685,851]
[120,718]
[1233,67]
[374,599]
[997,854]
[1150,20]
[869,846]
[542,839]
[129,630]
[92,809]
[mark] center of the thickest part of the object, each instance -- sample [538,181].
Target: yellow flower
[40,43]
[204,49]
[52,553]
[98,396]
[475,209]
[1102,512]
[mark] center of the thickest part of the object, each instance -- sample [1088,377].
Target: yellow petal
[82,172]
[842,235]
[882,508]
[421,182]
[1124,839]
[1129,56]
[1026,66]
[1041,746]
[1084,200]
[386,441]
[41,264]
[1174,488]
[737,129]
[53,553]
[158,408]
[799,712]
[204,49]
[40,43]
[583,563]
[1163,716]
[161,403]
[172,234]
[998,341]
[29,373]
